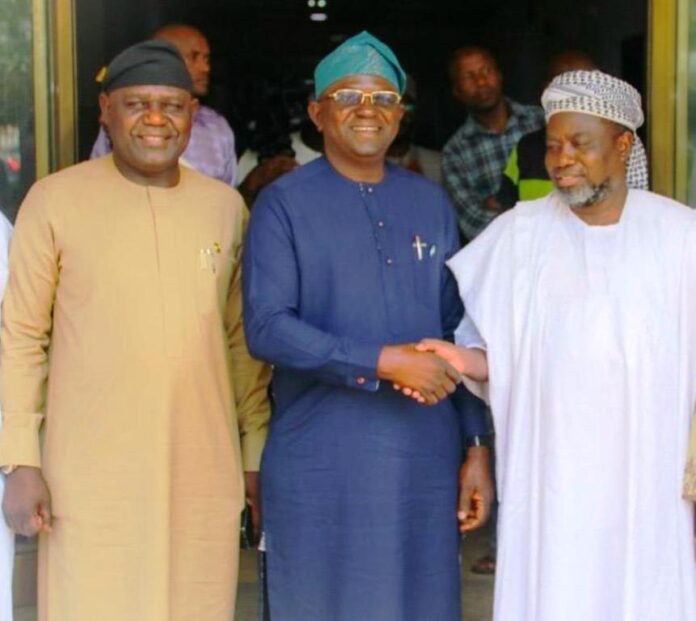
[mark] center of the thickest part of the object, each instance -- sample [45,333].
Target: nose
[366,107]
[566,154]
[154,115]
[481,79]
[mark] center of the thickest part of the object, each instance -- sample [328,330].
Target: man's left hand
[475,489]
[253,500]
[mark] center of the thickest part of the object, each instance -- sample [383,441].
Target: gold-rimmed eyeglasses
[349,97]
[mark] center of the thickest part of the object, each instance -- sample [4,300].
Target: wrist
[477,441]
[478,454]
[385,362]
[18,470]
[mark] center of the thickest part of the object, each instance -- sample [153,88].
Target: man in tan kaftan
[122,334]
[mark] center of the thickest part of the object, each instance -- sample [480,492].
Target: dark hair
[468,51]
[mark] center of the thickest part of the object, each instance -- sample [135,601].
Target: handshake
[430,370]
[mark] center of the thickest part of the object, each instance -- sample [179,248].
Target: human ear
[399,113]
[624,143]
[314,112]
[104,108]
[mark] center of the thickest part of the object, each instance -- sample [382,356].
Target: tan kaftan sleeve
[26,330]
[690,470]
[250,377]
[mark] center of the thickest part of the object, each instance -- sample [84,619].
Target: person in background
[474,158]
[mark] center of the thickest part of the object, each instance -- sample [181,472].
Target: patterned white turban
[607,97]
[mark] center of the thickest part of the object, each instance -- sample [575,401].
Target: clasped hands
[430,370]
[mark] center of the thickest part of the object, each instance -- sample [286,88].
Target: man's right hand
[432,377]
[468,361]
[27,502]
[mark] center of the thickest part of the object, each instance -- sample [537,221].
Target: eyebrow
[575,136]
[149,96]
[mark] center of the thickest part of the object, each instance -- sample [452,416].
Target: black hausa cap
[149,62]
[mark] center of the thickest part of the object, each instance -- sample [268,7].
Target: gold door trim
[54,84]
[668,46]
[63,29]
[41,70]
[681,104]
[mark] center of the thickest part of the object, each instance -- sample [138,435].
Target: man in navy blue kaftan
[343,272]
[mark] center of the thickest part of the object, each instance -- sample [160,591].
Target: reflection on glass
[691,111]
[16,104]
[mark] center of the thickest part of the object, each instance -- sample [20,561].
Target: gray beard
[585,195]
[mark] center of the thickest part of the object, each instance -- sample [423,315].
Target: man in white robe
[585,303]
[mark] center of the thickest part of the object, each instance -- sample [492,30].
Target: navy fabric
[359,483]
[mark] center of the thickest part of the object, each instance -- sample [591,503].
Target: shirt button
[390,261]
[369,190]
[360,380]
[380,224]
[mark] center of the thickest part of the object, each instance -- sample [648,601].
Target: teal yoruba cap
[361,54]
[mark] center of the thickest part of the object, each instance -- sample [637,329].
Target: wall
[266,49]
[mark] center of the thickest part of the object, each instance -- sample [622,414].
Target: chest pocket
[213,272]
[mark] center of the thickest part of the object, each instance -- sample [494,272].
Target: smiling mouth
[566,181]
[366,129]
[154,140]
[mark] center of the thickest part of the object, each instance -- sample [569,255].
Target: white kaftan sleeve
[467,335]
[689,311]
[6,535]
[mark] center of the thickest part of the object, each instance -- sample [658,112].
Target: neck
[605,212]
[495,119]
[369,171]
[160,179]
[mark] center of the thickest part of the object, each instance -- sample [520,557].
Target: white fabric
[591,352]
[250,159]
[596,93]
[6,535]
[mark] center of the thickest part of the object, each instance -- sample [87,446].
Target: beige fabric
[137,290]
[690,470]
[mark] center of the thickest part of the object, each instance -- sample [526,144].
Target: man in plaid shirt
[474,158]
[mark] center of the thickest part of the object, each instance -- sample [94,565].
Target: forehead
[188,41]
[362,81]
[570,62]
[563,124]
[474,60]
[150,91]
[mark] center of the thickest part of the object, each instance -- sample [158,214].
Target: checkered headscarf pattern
[607,97]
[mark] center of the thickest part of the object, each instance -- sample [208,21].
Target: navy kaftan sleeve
[472,410]
[274,331]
